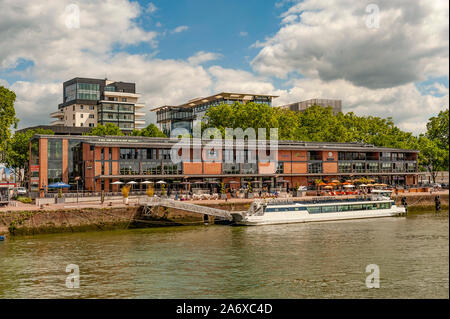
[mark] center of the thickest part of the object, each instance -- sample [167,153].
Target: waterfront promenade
[412,198]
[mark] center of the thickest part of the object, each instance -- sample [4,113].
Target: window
[74,116]
[314,167]
[328,209]
[81,107]
[73,108]
[172,169]
[91,124]
[314,210]
[128,153]
[81,115]
[110,154]
[81,124]
[228,168]
[359,167]
[91,107]
[124,99]
[314,156]
[102,154]
[151,168]
[345,167]
[372,167]
[280,168]
[91,116]
[129,168]
[164,154]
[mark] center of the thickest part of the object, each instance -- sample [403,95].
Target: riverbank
[26,219]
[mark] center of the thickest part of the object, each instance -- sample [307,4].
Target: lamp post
[77,179]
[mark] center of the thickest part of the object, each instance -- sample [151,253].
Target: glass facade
[54,161]
[121,115]
[75,163]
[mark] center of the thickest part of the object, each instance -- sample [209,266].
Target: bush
[23,199]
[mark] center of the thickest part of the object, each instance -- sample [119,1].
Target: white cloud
[179,29]
[230,80]
[329,59]
[202,57]
[243,33]
[409,109]
[151,8]
[331,41]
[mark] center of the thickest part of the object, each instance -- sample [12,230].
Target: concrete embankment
[30,222]
[51,220]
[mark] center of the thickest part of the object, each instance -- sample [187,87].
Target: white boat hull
[290,217]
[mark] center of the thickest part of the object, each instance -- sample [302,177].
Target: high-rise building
[303,105]
[188,114]
[88,102]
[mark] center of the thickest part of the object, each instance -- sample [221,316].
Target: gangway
[189,207]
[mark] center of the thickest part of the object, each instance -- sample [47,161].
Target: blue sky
[178,50]
[225,27]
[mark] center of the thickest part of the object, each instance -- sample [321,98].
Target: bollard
[405,204]
[437,203]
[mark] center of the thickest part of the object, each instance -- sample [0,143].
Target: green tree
[150,131]
[7,116]
[103,130]
[432,157]
[18,151]
[437,128]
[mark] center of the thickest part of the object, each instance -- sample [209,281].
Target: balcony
[57,123]
[58,114]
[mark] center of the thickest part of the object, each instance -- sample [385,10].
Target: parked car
[444,185]
[20,191]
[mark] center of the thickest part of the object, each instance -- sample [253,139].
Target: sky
[382,58]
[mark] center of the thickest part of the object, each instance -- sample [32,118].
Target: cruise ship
[377,204]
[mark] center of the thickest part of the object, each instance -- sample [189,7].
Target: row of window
[346,208]
[373,156]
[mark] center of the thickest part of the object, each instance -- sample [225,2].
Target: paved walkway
[18,206]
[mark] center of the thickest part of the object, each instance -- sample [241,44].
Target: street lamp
[77,179]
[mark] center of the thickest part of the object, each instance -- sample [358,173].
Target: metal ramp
[170,203]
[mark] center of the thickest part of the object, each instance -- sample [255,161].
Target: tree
[103,130]
[432,157]
[150,131]
[437,128]
[18,151]
[7,116]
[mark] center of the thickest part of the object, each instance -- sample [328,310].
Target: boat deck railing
[324,200]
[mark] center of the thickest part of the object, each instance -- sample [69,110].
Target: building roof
[161,142]
[59,130]
[201,100]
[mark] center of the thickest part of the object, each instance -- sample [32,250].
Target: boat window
[314,210]
[356,207]
[343,208]
[328,209]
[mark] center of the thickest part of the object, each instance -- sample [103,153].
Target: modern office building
[88,102]
[303,105]
[99,161]
[188,114]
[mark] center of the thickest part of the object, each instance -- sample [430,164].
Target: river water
[314,260]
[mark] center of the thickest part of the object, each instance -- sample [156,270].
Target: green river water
[312,260]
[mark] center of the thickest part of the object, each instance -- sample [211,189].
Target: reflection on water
[313,260]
